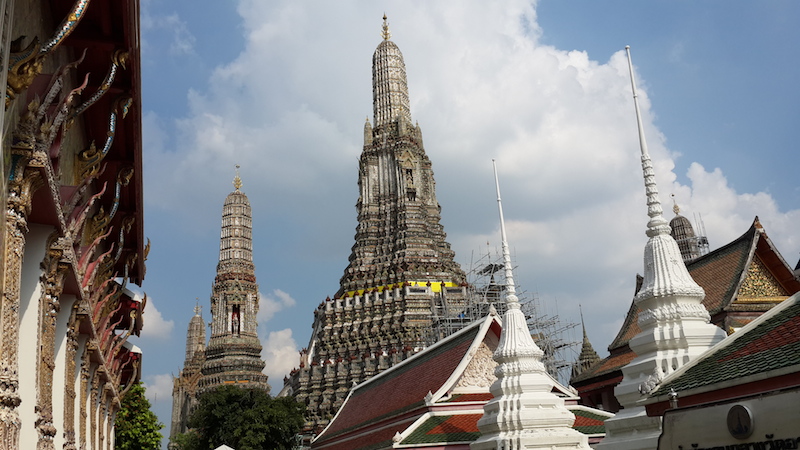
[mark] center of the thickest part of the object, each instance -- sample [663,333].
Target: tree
[136,427]
[245,419]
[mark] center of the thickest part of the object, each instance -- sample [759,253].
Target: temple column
[86,396]
[20,194]
[70,370]
[52,280]
[94,409]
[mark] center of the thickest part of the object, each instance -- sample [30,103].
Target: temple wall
[30,293]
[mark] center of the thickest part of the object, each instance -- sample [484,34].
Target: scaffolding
[486,284]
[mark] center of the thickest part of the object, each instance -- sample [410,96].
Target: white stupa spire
[511,291]
[524,412]
[675,324]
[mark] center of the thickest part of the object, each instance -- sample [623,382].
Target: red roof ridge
[360,418]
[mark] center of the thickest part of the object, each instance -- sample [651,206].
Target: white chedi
[524,413]
[674,323]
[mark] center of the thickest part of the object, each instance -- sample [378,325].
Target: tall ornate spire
[233,354]
[664,271]
[184,386]
[400,267]
[389,85]
[399,237]
[524,412]
[195,338]
[674,324]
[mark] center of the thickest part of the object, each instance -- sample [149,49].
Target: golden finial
[385,33]
[237,182]
[675,207]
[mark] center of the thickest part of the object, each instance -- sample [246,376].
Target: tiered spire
[683,233]
[524,412]
[675,325]
[195,338]
[389,85]
[399,238]
[400,266]
[233,354]
[588,356]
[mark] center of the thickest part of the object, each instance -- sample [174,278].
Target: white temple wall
[30,293]
[59,383]
[91,438]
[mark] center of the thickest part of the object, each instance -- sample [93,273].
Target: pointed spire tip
[385,29]
[237,182]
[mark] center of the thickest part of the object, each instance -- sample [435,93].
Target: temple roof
[400,389]
[425,401]
[722,274]
[768,345]
[455,428]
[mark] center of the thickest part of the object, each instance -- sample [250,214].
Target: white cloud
[182,41]
[158,388]
[291,106]
[268,305]
[155,327]
[280,353]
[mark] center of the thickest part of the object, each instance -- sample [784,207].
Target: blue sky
[283,87]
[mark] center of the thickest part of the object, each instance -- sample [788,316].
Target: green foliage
[186,441]
[136,427]
[244,419]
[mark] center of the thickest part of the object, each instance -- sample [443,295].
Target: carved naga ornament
[26,63]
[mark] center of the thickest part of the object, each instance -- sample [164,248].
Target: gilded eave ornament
[24,65]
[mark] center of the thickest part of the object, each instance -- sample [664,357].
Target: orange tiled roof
[606,365]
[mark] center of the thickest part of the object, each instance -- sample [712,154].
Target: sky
[283,88]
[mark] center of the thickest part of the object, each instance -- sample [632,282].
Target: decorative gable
[407,160]
[480,370]
[760,284]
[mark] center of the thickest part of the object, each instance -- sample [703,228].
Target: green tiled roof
[446,429]
[589,423]
[772,344]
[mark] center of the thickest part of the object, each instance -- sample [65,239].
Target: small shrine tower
[184,386]
[233,354]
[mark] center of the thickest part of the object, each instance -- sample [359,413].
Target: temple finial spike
[511,294]
[675,208]
[385,34]
[583,324]
[197,307]
[237,182]
[657,224]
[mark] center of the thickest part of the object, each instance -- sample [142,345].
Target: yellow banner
[436,286]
